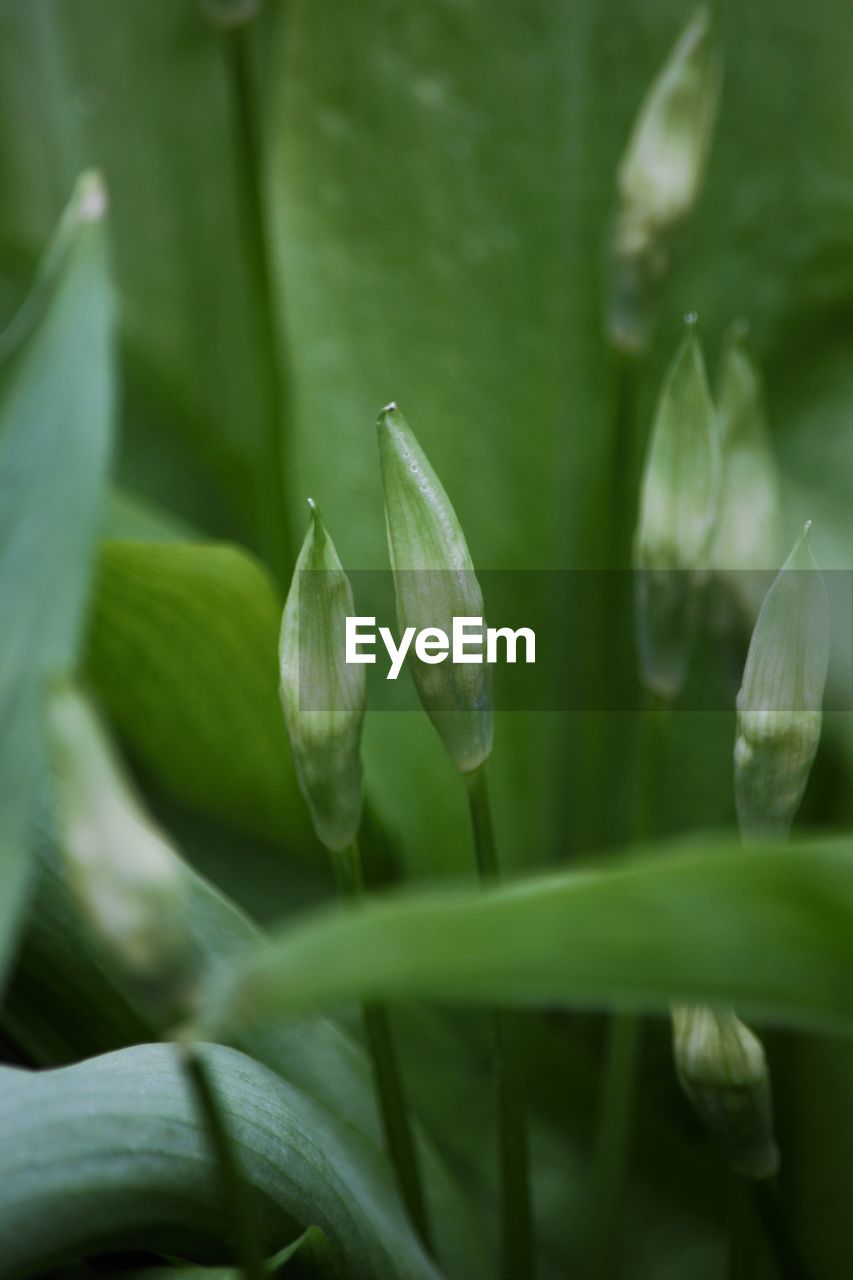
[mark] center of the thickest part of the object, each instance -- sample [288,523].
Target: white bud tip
[312,505]
[93,200]
[691,319]
[807,527]
[391,407]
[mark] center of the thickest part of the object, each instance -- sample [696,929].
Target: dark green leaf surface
[108,1154]
[183,654]
[769,932]
[56,405]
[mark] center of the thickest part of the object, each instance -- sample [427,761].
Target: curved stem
[235,1201]
[386,1071]
[517,1245]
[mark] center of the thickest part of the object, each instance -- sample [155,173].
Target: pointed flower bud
[678,510]
[323,698]
[779,707]
[659,178]
[434,581]
[127,878]
[748,530]
[722,1068]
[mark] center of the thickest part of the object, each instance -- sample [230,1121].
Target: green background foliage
[341,205]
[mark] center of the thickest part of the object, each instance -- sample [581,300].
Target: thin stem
[274,531]
[620,484]
[612,1142]
[386,1071]
[771,1214]
[517,1245]
[235,1201]
[617,1097]
[744,1252]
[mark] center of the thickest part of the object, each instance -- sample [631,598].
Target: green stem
[617,1097]
[235,1200]
[274,529]
[386,1071]
[595,823]
[744,1254]
[771,1214]
[517,1243]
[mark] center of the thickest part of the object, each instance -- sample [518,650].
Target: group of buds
[709,501]
[323,698]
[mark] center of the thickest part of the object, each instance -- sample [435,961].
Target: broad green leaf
[109,1155]
[56,405]
[78,80]
[768,932]
[182,653]
[67,1001]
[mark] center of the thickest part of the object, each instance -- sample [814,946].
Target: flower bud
[779,707]
[434,581]
[127,878]
[659,179]
[677,521]
[748,528]
[322,697]
[722,1068]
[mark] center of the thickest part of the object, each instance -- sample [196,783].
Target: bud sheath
[679,500]
[434,580]
[127,878]
[748,532]
[322,697]
[659,178]
[779,707]
[723,1070]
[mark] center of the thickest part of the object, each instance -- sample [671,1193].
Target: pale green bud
[434,581]
[679,500]
[129,881]
[722,1068]
[748,529]
[779,707]
[660,176]
[323,698]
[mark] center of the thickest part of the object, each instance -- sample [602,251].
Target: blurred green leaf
[182,652]
[115,1159]
[67,1001]
[769,932]
[56,405]
[77,84]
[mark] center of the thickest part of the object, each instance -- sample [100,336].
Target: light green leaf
[56,406]
[109,1154]
[769,932]
[182,653]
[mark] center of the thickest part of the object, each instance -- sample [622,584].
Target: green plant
[296,214]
